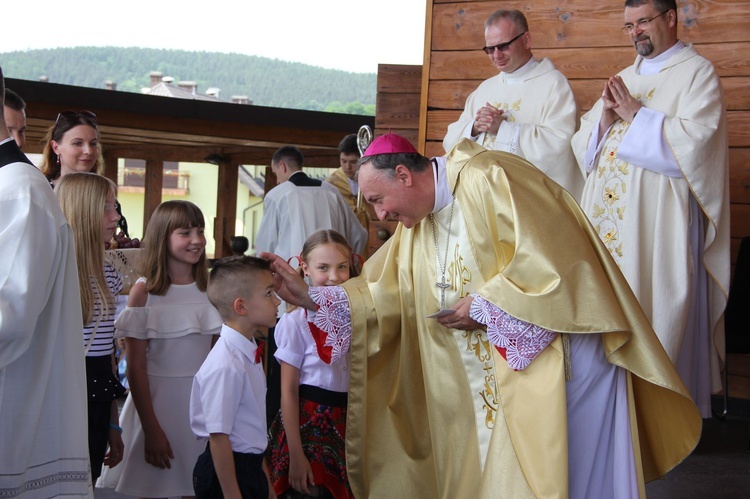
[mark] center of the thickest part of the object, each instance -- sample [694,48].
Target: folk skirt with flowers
[322,429]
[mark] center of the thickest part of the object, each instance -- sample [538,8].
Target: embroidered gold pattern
[459,276]
[612,180]
[507,107]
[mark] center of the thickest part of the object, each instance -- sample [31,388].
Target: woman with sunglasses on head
[71,145]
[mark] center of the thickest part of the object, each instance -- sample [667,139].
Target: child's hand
[114,454]
[300,474]
[158,452]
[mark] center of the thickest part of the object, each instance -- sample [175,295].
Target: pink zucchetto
[390,143]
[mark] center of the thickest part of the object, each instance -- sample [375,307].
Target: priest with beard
[655,152]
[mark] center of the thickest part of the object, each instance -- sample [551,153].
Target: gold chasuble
[438,413]
[341,182]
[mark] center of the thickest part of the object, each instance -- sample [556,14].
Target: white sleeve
[267,238]
[31,245]
[290,345]
[645,146]
[219,392]
[461,128]
[591,158]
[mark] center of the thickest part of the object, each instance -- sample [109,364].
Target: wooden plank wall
[584,41]
[396,111]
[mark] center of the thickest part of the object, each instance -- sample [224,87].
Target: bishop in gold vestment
[476,403]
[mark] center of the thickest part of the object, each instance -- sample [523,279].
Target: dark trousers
[251,479]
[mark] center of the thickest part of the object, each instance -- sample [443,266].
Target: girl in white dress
[89,203]
[169,327]
[306,448]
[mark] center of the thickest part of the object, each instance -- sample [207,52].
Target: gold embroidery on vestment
[613,174]
[477,343]
[458,274]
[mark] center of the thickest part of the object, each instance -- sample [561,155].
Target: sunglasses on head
[75,115]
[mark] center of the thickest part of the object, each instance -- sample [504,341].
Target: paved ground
[718,468]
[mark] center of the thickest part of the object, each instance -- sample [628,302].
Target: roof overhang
[142,126]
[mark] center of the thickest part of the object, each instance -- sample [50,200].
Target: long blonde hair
[169,216]
[83,199]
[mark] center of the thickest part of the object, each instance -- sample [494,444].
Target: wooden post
[271,179]
[110,167]
[226,208]
[154,182]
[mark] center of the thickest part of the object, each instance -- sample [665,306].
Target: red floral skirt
[323,434]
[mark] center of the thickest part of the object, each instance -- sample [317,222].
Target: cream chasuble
[644,217]
[420,422]
[540,120]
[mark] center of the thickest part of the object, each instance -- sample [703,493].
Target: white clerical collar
[6,140]
[443,195]
[353,185]
[652,66]
[520,74]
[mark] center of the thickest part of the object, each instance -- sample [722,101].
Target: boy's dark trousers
[251,478]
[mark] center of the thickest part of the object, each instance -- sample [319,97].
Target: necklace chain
[444,264]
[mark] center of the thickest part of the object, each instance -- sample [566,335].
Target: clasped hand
[488,120]
[618,102]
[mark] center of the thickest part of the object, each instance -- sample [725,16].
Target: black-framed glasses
[75,115]
[502,47]
[640,24]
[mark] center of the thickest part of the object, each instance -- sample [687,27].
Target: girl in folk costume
[88,202]
[306,449]
[168,327]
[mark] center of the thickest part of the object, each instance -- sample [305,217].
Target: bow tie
[259,351]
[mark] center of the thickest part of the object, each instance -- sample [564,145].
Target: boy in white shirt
[227,403]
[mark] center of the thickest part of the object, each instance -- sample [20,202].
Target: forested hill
[266,82]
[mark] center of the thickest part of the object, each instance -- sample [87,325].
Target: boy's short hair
[348,145]
[233,277]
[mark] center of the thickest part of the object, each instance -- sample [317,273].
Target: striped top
[103,343]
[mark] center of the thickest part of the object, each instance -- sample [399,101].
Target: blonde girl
[168,326]
[88,202]
[306,449]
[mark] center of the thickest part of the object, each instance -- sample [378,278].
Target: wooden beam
[425,84]
[154,182]
[110,166]
[226,208]
[271,179]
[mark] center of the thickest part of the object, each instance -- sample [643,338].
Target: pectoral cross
[443,286]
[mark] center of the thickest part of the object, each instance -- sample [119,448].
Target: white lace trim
[522,341]
[333,317]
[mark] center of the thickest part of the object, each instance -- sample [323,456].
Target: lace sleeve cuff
[517,341]
[333,318]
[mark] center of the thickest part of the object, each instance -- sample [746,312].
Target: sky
[351,35]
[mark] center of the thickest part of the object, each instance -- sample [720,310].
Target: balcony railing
[136,177]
